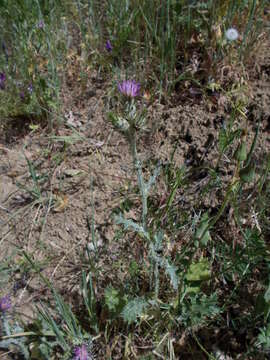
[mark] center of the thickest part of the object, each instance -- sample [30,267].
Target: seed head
[232,34]
[5,303]
[129,88]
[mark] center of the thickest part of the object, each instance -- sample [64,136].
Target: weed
[177,272]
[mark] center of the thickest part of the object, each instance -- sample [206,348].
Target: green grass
[157,40]
[171,298]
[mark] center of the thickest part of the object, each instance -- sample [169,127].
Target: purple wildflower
[40,25]
[2,80]
[30,88]
[22,95]
[129,88]
[81,353]
[4,48]
[108,46]
[5,303]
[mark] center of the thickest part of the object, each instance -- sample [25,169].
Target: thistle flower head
[2,80]
[82,353]
[232,34]
[5,303]
[129,88]
[108,46]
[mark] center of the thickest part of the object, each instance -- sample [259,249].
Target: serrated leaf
[203,307]
[112,298]
[134,309]
[199,271]
[119,219]
[193,290]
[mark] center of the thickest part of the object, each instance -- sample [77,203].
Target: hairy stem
[138,168]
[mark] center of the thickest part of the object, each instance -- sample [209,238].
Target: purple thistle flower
[108,46]
[5,303]
[129,88]
[81,353]
[2,80]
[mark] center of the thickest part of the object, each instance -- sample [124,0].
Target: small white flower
[231,34]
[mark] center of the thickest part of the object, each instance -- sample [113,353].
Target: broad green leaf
[241,152]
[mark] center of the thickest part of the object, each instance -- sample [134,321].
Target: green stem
[156,280]
[220,212]
[264,175]
[138,168]
[253,145]
[211,357]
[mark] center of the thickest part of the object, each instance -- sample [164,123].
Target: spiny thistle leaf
[134,309]
[119,219]
[20,342]
[202,308]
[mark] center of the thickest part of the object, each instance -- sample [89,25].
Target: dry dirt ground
[93,173]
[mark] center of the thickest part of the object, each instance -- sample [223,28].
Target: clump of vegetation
[176,299]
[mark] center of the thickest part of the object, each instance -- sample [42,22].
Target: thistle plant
[9,328]
[129,122]
[128,125]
